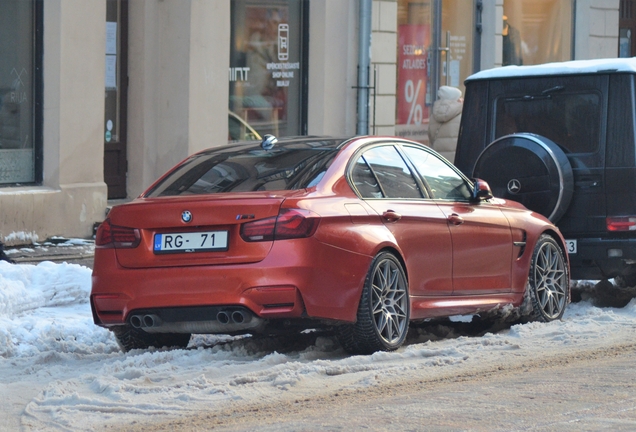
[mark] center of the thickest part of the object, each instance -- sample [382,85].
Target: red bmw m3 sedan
[362,235]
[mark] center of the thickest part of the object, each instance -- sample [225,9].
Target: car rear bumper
[299,278]
[599,258]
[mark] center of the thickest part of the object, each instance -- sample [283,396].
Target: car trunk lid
[201,230]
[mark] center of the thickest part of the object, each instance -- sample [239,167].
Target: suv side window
[393,175]
[444,182]
[571,120]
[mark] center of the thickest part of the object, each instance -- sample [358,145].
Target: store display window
[266,67]
[19,145]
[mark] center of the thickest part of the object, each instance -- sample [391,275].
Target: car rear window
[571,120]
[284,168]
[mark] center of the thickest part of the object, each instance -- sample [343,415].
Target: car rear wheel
[129,338]
[384,310]
[548,281]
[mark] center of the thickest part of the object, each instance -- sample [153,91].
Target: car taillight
[114,236]
[623,223]
[289,224]
[260,230]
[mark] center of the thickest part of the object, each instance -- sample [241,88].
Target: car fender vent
[520,243]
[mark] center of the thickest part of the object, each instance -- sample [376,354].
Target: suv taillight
[114,236]
[623,223]
[289,224]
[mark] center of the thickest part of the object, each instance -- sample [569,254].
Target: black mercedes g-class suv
[561,139]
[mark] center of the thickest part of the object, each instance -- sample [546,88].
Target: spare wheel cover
[530,169]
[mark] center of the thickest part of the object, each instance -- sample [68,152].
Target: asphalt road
[576,391]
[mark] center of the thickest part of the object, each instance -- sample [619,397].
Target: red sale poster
[412,112]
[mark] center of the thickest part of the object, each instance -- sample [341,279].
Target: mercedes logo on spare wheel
[514,186]
[186,216]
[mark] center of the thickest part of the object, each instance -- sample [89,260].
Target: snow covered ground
[58,371]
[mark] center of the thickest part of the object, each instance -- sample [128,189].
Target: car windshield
[571,120]
[288,167]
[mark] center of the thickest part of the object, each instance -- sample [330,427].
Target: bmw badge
[186,216]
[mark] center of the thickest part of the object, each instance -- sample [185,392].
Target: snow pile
[45,308]
[608,65]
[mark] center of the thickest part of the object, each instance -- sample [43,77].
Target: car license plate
[571,245]
[190,242]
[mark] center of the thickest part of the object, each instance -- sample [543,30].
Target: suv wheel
[530,169]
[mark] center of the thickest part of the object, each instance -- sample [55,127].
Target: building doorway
[116,83]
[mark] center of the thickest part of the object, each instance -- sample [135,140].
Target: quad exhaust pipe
[224,317]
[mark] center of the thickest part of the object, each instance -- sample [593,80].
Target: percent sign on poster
[411,94]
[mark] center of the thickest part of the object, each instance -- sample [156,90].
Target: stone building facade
[99,98]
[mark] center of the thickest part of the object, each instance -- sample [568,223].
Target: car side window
[444,182]
[364,180]
[394,176]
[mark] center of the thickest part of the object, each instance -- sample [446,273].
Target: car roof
[298,142]
[575,67]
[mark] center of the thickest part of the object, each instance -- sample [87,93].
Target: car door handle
[455,219]
[391,216]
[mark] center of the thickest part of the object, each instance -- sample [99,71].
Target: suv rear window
[571,120]
[283,168]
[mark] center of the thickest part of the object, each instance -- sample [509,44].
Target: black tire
[130,338]
[530,169]
[384,310]
[548,287]
[627,279]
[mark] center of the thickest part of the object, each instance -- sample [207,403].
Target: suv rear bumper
[598,258]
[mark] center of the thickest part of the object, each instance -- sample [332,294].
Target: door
[480,233]
[571,111]
[116,88]
[419,227]
[482,248]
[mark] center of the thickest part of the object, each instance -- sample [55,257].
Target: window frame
[419,178]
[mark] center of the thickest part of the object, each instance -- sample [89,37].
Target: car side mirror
[481,191]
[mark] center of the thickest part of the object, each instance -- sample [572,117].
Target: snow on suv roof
[561,68]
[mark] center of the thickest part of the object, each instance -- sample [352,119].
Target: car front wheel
[548,281]
[384,309]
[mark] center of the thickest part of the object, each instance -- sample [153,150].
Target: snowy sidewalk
[56,249]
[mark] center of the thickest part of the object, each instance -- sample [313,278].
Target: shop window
[536,32]
[19,116]
[414,68]
[626,28]
[435,48]
[266,66]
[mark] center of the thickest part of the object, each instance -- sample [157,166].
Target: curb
[25,260]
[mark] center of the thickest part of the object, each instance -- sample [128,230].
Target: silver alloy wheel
[551,280]
[389,301]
